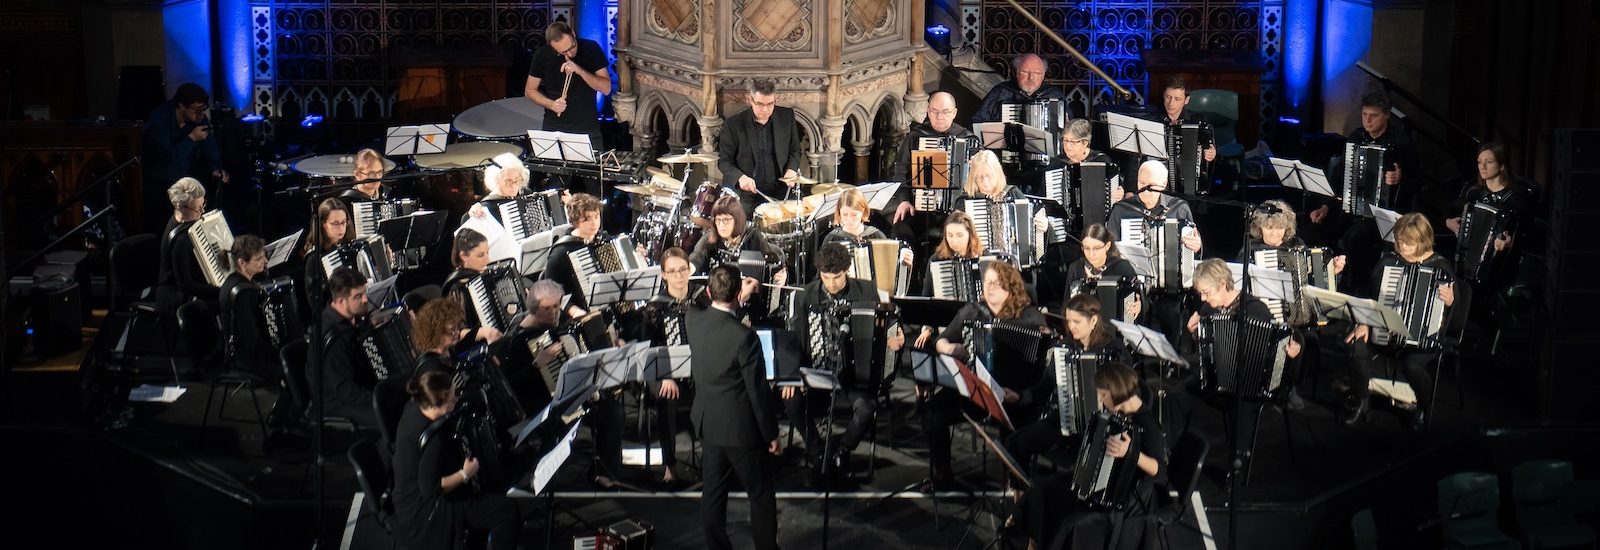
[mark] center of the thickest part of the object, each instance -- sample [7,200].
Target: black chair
[134,262]
[293,357]
[201,336]
[1183,474]
[375,482]
[1450,338]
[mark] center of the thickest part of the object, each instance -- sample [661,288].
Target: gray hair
[1080,128]
[545,289]
[185,190]
[1157,169]
[763,86]
[1213,272]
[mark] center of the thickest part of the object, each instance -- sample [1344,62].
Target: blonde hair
[852,199]
[1284,218]
[505,164]
[1213,272]
[1415,229]
[983,165]
[185,190]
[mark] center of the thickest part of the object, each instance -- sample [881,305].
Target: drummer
[369,169]
[733,235]
[563,78]
[759,151]
[850,227]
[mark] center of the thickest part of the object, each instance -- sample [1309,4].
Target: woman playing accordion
[1089,343]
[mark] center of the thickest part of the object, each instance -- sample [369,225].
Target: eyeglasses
[680,271]
[196,108]
[942,112]
[1097,248]
[1208,292]
[369,173]
[339,223]
[1077,142]
[723,219]
[570,49]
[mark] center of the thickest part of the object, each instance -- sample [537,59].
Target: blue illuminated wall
[1300,43]
[187,28]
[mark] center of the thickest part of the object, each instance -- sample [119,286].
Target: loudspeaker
[57,306]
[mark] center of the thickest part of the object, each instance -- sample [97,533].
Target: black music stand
[413,231]
[560,146]
[622,286]
[536,250]
[545,470]
[933,312]
[415,140]
[1013,137]
[1136,135]
[780,352]
[930,169]
[1011,466]
[822,379]
[660,363]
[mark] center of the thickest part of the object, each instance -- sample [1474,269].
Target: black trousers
[495,513]
[605,425]
[1048,509]
[1040,437]
[1367,360]
[946,408]
[862,405]
[666,420]
[752,466]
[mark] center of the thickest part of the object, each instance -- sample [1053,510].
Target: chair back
[1538,482]
[293,358]
[1183,467]
[1221,108]
[1469,494]
[389,402]
[1364,530]
[134,262]
[373,478]
[200,334]
[1459,310]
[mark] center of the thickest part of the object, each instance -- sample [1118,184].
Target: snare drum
[454,189]
[704,199]
[783,217]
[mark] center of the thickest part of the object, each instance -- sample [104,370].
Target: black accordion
[1412,290]
[369,256]
[532,213]
[1083,189]
[386,345]
[367,215]
[999,343]
[1173,263]
[1098,480]
[577,337]
[483,418]
[1363,178]
[1241,355]
[1307,266]
[1481,224]
[1186,148]
[1049,115]
[497,296]
[1076,400]
[280,311]
[847,341]
[1116,296]
[957,279]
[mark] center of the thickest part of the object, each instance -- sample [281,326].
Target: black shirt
[1008,368]
[1009,92]
[1400,152]
[244,327]
[581,115]
[344,383]
[420,502]
[765,155]
[707,254]
[1131,207]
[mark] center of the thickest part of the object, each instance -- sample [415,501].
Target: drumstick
[564,85]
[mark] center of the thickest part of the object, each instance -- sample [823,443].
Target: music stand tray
[560,146]
[664,362]
[620,286]
[1386,219]
[879,194]
[1148,342]
[934,312]
[415,140]
[1360,311]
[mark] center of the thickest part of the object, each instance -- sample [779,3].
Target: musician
[850,224]
[732,414]
[1361,237]
[941,124]
[244,328]
[180,277]
[1413,246]
[1512,196]
[733,235]
[1048,506]
[832,290]
[678,296]
[584,213]
[434,501]
[330,229]
[1005,301]
[987,180]
[1101,260]
[1151,204]
[177,143]
[1027,86]
[347,389]
[565,74]
[1174,99]
[1087,332]
[759,149]
[1075,150]
[369,168]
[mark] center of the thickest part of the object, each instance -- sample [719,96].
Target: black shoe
[1295,402]
[1355,411]
[1419,421]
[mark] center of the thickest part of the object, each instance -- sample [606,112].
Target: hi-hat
[696,158]
[646,190]
[798,180]
[830,188]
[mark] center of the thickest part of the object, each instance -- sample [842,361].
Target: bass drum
[654,232]
[456,179]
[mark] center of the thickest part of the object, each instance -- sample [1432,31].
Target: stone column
[831,150]
[710,128]
[863,154]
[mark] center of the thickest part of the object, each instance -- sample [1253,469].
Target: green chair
[1364,530]
[1538,488]
[1471,501]
[1221,109]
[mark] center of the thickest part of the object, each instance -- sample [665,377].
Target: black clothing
[733,416]
[1415,363]
[1010,92]
[903,171]
[167,155]
[561,270]
[707,254]
[1115,269]
[1044,434]
[430,517]
[765,156]
[179,278]
[738,155]
[245,329]
[581,115]
[347,384]
[859,375]
[1008,368]
[1401,196]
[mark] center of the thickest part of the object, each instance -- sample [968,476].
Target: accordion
[1173,263]
[497,296]
[1076,400]
[1185,151]
[1413,290]
[1307,266]
[1005,228]
[280,311]
[665,320]
[958,279]
[604,256]
[1003,343]
[368,214]
[1084,189]
[487,411]
[213,241]
[1241,355]
[581,336]
[370,256]
[1049,115]
[1116,296]
[935,179]
[1481,224]
[1363,178]
[878,260]
[1098,480]
[533,213]
[386,345]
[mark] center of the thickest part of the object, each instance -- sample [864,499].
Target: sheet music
[281,250]
[1297,175]
[1137,135]
[379,292]
[668,362]
[879,194]
[1272,284]
[1148,342]
[151,393]
[561,146]
[416,140]
[995,389]
[535,252]
[551,462]
[1386,219]
[501,245]
[1142,259]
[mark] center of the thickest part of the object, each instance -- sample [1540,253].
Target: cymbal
[689,158]
[654,171]
[830,188]
[798,180]
[646,190]
[665,181]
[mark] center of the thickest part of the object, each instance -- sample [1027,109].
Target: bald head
[941,111]
[1030,73]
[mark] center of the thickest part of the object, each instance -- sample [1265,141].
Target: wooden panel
[1232,70]
[74,155]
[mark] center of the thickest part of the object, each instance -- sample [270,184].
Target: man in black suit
[760,148]
[732,413]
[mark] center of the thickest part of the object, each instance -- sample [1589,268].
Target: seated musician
[834,289]
[247,345]
[1027,86]
[433,498]
[1358,236]
[440,328]
[733,235]
[1174,99]
[321,238]
[347,388]
[369,169]
[940,124]
[1048,507]
[469,253]
[986,180]
[1075,150]
[1273,227]
[1100,260]
[1413,246]
[181,278]
[664,325]
[506,178]
[1213,281]
[850,224]
[759,150]
[1496,187]
[1151,206]
[1005,301]
[959,242]
[1089,333]
[584,213]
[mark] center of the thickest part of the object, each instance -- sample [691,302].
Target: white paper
[551,462]
[151,393]
[501,245]
[282,249]
[1137,135]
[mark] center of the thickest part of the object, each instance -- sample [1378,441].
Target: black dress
[428,516]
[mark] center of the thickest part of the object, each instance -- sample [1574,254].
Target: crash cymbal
[798,180]
[689,158]
[830,188]
[654,171]
[646,190]
[665,181]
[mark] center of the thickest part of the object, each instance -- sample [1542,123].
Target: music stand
[1013,137]
[282,249]
[560,146]
[415,140]
[546,468]
[1142,259]
[1137,135]
[879,194]
[934,312]
[664,362]
[937,369]
[1386,219]
[1297,175]
[380,292]
[1148,342]
[414,230]
[536,251]
[780,351]
[619,286]
[1271,284]
[1360,311]
[930,169]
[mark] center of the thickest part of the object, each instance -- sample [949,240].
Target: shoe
[1355,411]
[1295,402]
[1419,421]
